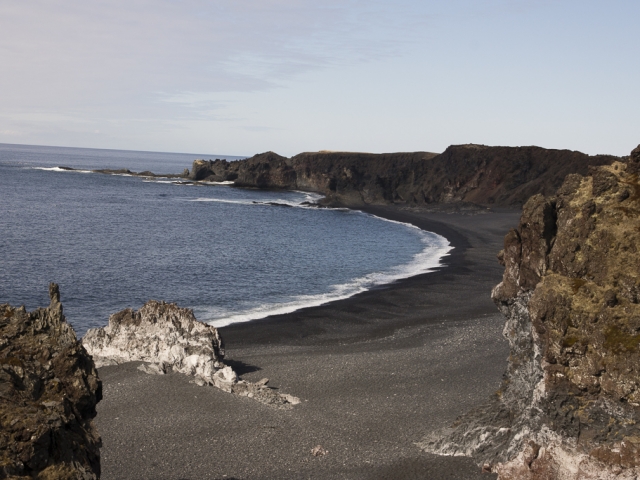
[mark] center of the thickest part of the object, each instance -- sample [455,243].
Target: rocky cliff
[569,405]
[463,173]
[169,338]
[49,389]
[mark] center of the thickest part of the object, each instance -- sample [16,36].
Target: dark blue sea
[114,241]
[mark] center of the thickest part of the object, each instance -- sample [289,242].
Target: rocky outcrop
[569,405]
[477,174]
[169,338]
[158,333]
[49,389]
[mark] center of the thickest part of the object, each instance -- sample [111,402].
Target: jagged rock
[634,161]
[49,389]
[462,174]
[158,333]
[569,406]
[225,379]
[167,337]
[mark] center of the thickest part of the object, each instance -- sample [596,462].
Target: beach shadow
[241,368]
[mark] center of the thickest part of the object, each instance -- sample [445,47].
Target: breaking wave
[435,249]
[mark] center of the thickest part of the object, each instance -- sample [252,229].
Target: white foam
[269,203]
[58,169]
[310,196]
[436,247]
[221,200]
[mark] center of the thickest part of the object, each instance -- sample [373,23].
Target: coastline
[376,372]
[428,260]
[308,322]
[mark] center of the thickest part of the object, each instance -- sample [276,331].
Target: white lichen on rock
[169,338]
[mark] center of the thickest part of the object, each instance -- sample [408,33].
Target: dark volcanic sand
[375,373]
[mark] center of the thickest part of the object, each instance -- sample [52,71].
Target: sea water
[230,254]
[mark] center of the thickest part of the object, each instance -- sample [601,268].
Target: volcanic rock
[170,338]
[478,174]
[158,333]
[569,405]
[49,389]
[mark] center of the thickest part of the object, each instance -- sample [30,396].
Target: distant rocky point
[463,174]
[478,174]
[569,405]
[49,389]
[169,338]
[127,172]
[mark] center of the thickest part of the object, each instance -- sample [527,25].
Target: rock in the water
[569,406]
[166,336]
[49,389]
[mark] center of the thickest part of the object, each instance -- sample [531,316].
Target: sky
[239,77]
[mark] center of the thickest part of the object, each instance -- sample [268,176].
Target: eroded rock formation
[49,389]
[462,173]
[569,405]
[170,338]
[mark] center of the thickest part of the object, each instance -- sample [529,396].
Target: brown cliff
[569,405]
[501,176]
[49,389]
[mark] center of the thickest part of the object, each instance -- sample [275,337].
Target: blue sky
[239,77]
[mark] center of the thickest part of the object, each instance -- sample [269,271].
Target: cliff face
[49,389]
[463,173]
[569,406]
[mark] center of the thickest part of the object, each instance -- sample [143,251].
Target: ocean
[232,255]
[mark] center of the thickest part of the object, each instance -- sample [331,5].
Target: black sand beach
[375,373]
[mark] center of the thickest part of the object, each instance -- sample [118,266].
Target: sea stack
[49,389]
[569,405]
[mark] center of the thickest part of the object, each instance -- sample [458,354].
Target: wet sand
[375,373]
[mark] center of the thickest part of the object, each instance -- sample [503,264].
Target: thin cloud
[82,49]
[124,62]
[165,74]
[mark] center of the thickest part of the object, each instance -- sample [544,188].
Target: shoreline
[451,263]
[434,263]
[376,372]
[392,213]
